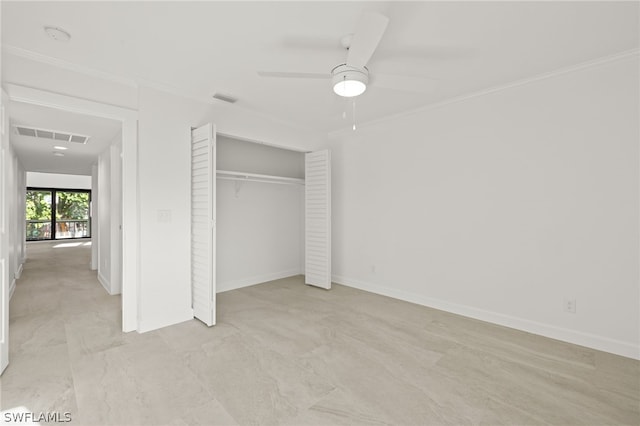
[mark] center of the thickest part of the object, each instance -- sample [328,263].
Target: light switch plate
[164,216]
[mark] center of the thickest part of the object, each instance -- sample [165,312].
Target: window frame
[53,222]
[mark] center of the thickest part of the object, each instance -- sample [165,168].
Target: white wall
[5,234]
[15,193]
[500,206]
[58,180]
[115,223]
[109,217]
[95,217]
[19,239]
[13,207]
[243,156]
[259,225]
[103,224]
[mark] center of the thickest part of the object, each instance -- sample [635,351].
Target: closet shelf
[254,177]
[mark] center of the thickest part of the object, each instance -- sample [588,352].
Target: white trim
[561,71]
[32,96]
[167,319]
[12,288]
[105,283]
[18,273]
[257,279]
[593,341]
[130,199]
[70,66]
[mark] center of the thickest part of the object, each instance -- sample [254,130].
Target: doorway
[128,119]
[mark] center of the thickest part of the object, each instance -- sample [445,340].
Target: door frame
[130,199]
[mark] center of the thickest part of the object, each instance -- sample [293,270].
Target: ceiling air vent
[225,98]
[46,134]
[79,139]
[51,134]
[24,131]
[62,137]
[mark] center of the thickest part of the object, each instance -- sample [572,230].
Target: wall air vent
[225,98]
[51,134]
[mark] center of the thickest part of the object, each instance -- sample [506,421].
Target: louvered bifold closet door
[203,223]
[318,219]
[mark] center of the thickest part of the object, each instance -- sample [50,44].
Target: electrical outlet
[569,305]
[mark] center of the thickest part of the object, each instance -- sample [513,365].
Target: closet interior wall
[260,225]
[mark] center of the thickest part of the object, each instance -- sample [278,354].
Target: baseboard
[593,341]
[257,279]
[167,319]
[18,273]
[12,288]
[105,283]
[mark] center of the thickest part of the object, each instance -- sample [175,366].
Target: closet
[258,213]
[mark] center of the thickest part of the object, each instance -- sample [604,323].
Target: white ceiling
[199,48]
[36,154]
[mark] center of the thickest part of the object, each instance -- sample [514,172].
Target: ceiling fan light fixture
[349,88]
[349,81]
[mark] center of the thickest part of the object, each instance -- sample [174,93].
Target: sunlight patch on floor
[19,415]
[65,245]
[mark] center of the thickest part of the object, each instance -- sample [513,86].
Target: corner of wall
[18,273]
[105,283]
[12,288]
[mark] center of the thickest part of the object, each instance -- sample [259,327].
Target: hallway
[56,312]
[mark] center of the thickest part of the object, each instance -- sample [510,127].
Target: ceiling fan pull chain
[346,100]
[354,114]
[345,108]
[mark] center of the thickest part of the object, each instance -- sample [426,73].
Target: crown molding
[522,82]
[70,66]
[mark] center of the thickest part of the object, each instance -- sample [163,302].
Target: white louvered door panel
[203,223]
[318,219]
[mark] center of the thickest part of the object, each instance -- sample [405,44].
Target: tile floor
[285,353]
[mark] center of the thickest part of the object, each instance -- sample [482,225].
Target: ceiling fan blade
[404,83]
[368,34]
[427,53]
[312,43]
[285,74]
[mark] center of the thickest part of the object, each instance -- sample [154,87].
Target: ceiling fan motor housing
[349,81]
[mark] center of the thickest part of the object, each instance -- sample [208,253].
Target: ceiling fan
[351,78]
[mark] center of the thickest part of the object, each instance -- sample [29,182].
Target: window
[71,218]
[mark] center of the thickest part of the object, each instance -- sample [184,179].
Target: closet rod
[254,177]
